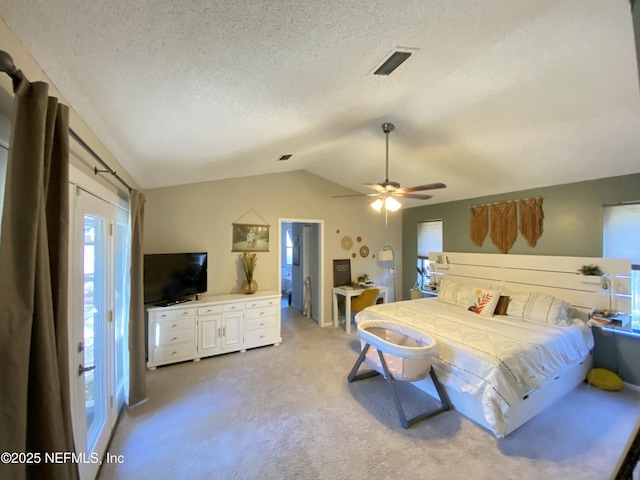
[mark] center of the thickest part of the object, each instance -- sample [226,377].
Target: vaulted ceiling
[497,96]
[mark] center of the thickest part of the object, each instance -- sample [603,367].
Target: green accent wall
[572,227]
[572,221]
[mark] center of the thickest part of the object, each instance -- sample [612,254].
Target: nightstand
[621,323]
[617,348]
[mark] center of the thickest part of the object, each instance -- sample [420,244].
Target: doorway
[300,256]
[98,314]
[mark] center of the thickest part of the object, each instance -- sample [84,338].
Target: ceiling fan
[387,190]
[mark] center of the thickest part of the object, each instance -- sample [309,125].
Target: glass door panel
[121,310]
[94,326]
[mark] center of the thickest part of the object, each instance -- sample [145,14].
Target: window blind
[429,237]
[622,232]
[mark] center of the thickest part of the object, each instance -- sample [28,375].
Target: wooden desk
[348,293]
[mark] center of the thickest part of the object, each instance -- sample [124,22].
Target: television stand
[213,326]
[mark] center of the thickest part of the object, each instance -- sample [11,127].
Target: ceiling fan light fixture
[377,205]
[392,204]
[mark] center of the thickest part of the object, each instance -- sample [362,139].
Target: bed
[502,366]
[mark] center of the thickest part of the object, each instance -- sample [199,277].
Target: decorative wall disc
[353,254]
[359,239]
[364,251]
[346,242]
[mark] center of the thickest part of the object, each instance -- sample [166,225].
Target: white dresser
[211,326]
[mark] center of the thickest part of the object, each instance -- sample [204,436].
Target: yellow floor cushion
[604,379]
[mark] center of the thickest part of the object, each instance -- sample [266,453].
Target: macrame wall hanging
[504,222]
[531,218]
[479,223]
[504,227]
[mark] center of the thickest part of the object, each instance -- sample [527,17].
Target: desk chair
[365,299]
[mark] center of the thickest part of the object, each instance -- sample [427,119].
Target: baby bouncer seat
[402,353]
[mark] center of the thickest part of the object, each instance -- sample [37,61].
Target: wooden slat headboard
[557,276]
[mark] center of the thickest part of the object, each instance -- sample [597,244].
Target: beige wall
[79,157]
[198,217]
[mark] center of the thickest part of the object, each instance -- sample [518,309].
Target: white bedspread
[498,360]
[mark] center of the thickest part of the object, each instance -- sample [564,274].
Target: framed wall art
[250,238]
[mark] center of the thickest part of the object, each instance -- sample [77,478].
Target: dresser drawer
[232,307]
[177,313]
[256,323]
[173,353]
[267,302]
[176,336]
[211,309]
[167,326]
[261,312]
[260,336]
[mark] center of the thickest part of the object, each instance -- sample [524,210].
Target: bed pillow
[501,306]
[538,307]
[454,292]
[448,291]
[483,301]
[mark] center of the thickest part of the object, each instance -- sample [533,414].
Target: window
[3,175]
[621,239]
[429,240]
[5,133]
[289,246]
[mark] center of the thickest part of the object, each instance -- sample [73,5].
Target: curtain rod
[7,66]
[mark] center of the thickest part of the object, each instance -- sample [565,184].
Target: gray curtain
[35,412]
[137,370]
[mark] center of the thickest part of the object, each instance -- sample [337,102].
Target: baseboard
[631,386]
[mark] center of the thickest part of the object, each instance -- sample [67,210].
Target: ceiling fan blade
[352,195]
[417,196]
[419,188]
[377,187]
[357,195]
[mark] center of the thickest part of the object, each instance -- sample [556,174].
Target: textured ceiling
[501,95]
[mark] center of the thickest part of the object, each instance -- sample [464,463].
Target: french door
[98,302]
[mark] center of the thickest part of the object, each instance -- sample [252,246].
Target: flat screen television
[174,277]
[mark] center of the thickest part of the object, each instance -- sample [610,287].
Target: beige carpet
[288,412]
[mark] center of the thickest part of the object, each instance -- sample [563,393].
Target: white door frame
[320,224]
[88,186]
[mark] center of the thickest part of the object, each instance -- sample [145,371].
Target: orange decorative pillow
[501,306]
[483,302]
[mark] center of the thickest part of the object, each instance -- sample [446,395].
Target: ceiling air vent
[392,62]
[285,157]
